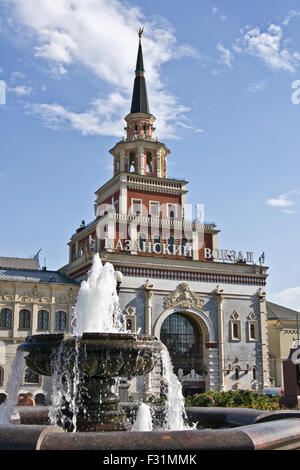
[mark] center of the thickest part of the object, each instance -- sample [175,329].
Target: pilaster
[264,338]
[220,299]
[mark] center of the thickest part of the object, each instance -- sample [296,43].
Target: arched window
[1,375]
[132,162]
[128,324]
[31,377]
[235,327]
[142,239]
[235,330]
[61,320]
[149,163]
[171,244]
[43,320]
[24,319]
[40,399]
[237,373]
[252,331]
[183,338]
[2,398]
[254,373]
[6,318]
[156,238]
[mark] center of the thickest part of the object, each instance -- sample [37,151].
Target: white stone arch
[192,312]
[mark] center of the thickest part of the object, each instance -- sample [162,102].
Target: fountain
[88,363]
[86,413]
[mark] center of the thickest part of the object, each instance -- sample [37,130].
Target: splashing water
[97,310]
[66,387]
[98,297]
[143,420]
[175,415]
[14,382]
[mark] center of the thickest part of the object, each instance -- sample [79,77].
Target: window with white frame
[171,210]
[252,327]
[235,327]
[136,206]
[154,208]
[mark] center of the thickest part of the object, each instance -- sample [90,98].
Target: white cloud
[22,90]
[255,87]
[226,55]
[267,46]
[289,298]
[291,14]
[102,36]
[16,76]
[284,201]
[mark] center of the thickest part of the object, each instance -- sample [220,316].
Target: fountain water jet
[143,421]
[12,388]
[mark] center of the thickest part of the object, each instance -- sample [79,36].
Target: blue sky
[220,77]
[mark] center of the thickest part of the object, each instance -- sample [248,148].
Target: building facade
[283,333]
[207,304]
[32,301]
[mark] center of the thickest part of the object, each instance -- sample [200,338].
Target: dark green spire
[139,103]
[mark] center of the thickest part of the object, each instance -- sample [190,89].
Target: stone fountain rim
[106,340]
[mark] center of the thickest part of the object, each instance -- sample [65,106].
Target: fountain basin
[91,363]
[239,429]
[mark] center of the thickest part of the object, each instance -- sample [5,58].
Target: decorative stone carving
[184,297]
[130,310]
[68,298]
[34,296]
[252,316]
[148,285]
[4,295]
[261,294]
[192,376]
[235,315]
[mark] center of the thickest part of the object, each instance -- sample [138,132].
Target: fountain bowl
[96,359]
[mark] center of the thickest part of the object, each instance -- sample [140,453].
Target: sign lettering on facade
[176,250]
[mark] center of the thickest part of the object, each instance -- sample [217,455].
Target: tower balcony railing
[164,222]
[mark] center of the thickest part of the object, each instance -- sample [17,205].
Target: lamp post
[119,278]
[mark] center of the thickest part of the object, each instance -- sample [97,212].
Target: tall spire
[139,103]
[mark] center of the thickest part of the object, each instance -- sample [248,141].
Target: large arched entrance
[183,336]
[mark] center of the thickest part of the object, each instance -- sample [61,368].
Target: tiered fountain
[86,365]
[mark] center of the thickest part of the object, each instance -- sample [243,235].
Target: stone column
[52,316]
[16,309]
[158,164]
[264,339]
[141,160]
[123,195]
[148,293]
[220,298]
[122,161]
[34,325]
